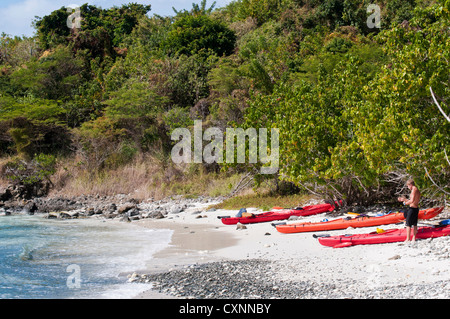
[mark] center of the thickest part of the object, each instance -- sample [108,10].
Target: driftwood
[243,183]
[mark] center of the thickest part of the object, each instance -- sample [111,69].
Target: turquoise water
[54,259]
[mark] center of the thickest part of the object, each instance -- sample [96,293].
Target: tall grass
[144,177]
[155,176]
[4,182]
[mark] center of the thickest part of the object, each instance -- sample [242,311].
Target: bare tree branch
[440,188]
[361,184]
[243,183]
[440,109]
[445,152]
[446,157]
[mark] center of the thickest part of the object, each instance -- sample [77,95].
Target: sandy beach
[367,271]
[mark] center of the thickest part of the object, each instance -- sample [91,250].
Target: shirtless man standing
[412,215]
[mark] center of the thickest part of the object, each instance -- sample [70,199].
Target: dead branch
[439,107]
[446,157]
[440,188]
[243,183]
[361,184]
[445,152]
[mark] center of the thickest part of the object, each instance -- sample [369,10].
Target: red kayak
[389,236]
[278,215]
[357,222]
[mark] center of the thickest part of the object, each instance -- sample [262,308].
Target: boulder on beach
[176,210]
[5,195]
[126,207]
[63,215]
[156,215]
[69,214]
[5,213]
[30,207]
[125,218]
[52,215]
[133,212]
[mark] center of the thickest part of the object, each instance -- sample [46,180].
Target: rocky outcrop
[24,192]
[119,207]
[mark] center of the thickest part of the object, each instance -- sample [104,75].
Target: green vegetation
[263,201]
[352,104]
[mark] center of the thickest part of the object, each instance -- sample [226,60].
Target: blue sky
[16,15]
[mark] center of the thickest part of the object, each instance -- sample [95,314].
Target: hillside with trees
[91,110]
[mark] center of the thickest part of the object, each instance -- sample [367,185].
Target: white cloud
[16,18]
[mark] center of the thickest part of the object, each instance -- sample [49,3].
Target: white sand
[302,257]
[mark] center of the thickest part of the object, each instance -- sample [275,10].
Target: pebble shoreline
[257,279]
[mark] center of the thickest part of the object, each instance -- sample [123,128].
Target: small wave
[26,254]
[36,253]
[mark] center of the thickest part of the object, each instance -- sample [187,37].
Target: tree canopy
[352,103]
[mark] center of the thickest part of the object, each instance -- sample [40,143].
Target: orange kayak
[357,222]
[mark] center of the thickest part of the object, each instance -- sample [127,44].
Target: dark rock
[395,257]
[159,215]
[155,215]
[6,195]
[133,201]
[125,218]
[30,207]
[5,213]
[56,204]
[133,212]
[358,210]
[53,215]
[126,207]
[69,214]
[111,208]
[111,215]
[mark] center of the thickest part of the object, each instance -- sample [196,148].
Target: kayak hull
[279,215]
[390,236]
[356,222]
[445,222]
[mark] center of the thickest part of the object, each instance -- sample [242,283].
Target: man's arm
[413,196]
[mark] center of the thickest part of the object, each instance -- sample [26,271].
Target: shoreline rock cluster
[121,206]
[257,279]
